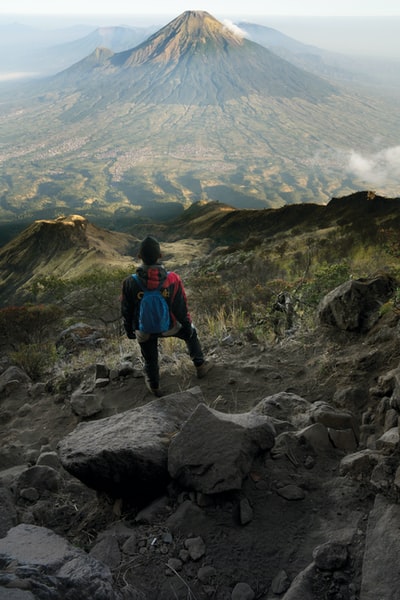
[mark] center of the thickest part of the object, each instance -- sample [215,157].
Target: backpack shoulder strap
[140,284]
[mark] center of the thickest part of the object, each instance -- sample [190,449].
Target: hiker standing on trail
[154,305]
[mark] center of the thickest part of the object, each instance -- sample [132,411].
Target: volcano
[195,112]
[196,59]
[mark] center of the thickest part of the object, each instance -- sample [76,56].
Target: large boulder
[380,569]
[39,560]
[126,455]
[214,451]
[354,305]
[287,407]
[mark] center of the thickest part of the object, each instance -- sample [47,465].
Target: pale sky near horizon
[229,7]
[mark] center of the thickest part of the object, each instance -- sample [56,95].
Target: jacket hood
[152,275]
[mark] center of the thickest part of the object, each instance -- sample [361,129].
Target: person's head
[149,250]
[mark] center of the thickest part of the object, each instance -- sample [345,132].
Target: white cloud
[378,168]
[234,28]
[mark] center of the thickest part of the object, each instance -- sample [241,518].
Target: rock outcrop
[354,305]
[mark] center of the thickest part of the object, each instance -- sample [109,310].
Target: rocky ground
[316,517]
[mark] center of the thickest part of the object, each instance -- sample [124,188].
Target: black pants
[149,351]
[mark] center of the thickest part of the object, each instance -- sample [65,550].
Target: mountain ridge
[69,246]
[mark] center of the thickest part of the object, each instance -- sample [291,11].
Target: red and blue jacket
[152,276]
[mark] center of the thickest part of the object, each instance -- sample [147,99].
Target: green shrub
[35,359]
[28,324]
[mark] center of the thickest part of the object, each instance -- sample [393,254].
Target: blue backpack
[154,314]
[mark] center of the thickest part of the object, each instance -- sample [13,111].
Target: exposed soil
[281,533]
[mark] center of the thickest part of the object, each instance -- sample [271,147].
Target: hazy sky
[228,7]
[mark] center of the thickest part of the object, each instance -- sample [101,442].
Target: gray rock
[330,556]
[42,478]
[102,371]
[14,374]
[322,412]
[242,591]
[78,336]
[86,405]
[8,513]
[53,568]
[285,406]
[354,399]
[354,305]
[130,545]
[316,436]
[126,455]
[359,464]
[206,574]
[196,547]
[49,459]
[245,511]
[343,439]
[380,572]
[107,551]
[214,451]
[302,585]
[389,441]
[280,583]
[15,594]
[291,492]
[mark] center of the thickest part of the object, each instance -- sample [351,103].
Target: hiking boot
[155,390]
[203,369]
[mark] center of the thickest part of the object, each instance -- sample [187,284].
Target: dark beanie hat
[149,250]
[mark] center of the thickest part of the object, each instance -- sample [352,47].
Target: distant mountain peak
[194,32]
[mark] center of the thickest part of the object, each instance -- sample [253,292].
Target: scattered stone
[31,494]
[280,583]
[206,574]
[351,398]
[242,591]
[359,464]
[130,546]
[13,373]
[291,492]
[52,567]
[174,564]
[286,406]
[77,337]
[245,511]
[302,585]
[126,369]
[102,371]
[343,439]
[389,441]
[49,459]
[107,551]
[195,547]
[42,478]
[330,556]
[391,419]
[322,412]
[86,405]
[101,382]
[316,436]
